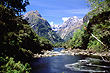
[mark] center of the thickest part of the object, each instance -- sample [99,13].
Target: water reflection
[54,64]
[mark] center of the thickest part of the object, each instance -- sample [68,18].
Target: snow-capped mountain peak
[69,27]
[56,27]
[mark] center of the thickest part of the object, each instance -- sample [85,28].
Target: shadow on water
[54,64]
[67,64]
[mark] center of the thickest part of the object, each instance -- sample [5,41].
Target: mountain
[69,27]
[41,26]
[56,27]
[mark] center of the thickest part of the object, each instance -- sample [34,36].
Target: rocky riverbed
[47,53]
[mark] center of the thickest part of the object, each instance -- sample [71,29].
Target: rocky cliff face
[69,27]
[41,26]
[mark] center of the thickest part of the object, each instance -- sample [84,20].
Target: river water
[69,64]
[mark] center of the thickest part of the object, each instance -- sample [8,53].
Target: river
[69,64]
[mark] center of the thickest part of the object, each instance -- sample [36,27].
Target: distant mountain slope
[69,27]
[41,26]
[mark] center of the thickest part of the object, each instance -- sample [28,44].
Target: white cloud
[51,23]
[75,16]
[65,18]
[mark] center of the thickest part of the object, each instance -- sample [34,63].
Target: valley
[55,36]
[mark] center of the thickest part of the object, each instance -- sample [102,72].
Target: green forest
[18,41]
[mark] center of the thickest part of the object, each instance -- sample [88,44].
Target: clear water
[69,64]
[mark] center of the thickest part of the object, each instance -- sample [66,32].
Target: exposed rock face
[41,26]
[85,19]
[69,27]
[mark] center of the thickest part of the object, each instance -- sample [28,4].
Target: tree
[77,39]
[17,6]
[99,5]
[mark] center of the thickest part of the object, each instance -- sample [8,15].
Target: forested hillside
[95,34]
[41,26]
[18,42]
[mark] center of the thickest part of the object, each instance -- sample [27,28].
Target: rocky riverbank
[47,53]
[86,52]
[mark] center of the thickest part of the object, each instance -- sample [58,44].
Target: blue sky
[56,10]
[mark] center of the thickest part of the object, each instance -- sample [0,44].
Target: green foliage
[67,44]
[77,39]
[95,45]
[58,45]
[17,6]
[99,26]
[22,36]
[45,43]
[99,5]
[10,41]
[12,67]
[17,40]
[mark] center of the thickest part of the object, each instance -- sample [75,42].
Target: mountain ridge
[69,27]
[41,26]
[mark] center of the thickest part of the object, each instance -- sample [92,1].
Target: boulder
[72,54]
